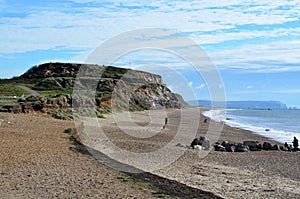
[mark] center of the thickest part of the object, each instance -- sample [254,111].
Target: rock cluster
[250,145]
[246,146]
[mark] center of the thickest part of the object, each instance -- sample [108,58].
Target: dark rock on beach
[219,147]
[275,148]
[201,141]
[242,148]
[267,146]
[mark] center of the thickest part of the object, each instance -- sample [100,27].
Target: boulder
[224,143]
[295,149]
[283,148]
[251,144]
[219,147]
[12,109]
[255,149]
[230,148]
[7,109]
[27,108]
[259,147]
[37,107]
[267,146]
[241,148]
[198,147]
[202,141]
[275,148]
[195,142]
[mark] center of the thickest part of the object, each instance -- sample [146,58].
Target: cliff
[123,88]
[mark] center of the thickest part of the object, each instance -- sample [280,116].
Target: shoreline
[243,133]
[267,132]
[254,174]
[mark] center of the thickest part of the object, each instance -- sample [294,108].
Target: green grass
[61,114]
[69,131]
[160,195]
[55,92]
[124,178]
[11,90]
[138,183]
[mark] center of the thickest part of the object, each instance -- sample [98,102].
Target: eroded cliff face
[123,88]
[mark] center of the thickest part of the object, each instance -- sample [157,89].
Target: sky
[254,44]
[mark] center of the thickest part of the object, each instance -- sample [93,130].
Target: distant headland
[241,104]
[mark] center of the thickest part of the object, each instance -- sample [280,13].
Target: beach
[36,162]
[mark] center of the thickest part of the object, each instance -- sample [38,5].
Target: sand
[36,161]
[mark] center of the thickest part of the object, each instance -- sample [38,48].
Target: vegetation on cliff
[123,88]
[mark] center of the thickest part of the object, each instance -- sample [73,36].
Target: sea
[280,125]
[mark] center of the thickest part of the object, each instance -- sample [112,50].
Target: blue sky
[254,44]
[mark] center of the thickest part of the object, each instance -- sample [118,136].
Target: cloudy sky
[255,44]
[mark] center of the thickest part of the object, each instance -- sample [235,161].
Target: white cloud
[201,38]
[278,56]
[92,25]
[206,22]
[190,83]
[200,86]
[285,91]
[288,91]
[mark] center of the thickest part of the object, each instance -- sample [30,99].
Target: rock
[255,149]
[27,108]
[202,141]
[275,148]
[267,146]
[198,147]
[250,144]
[230,148]
[242,148]
[11,109]
[224,143]
[259,147]
[295,149]
[283,148]
[7,109]
[219,147]
[195,142]
[253,145]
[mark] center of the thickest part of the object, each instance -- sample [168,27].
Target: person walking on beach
[166,122]
[295,143]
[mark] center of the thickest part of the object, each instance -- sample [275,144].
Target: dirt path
[32,92]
